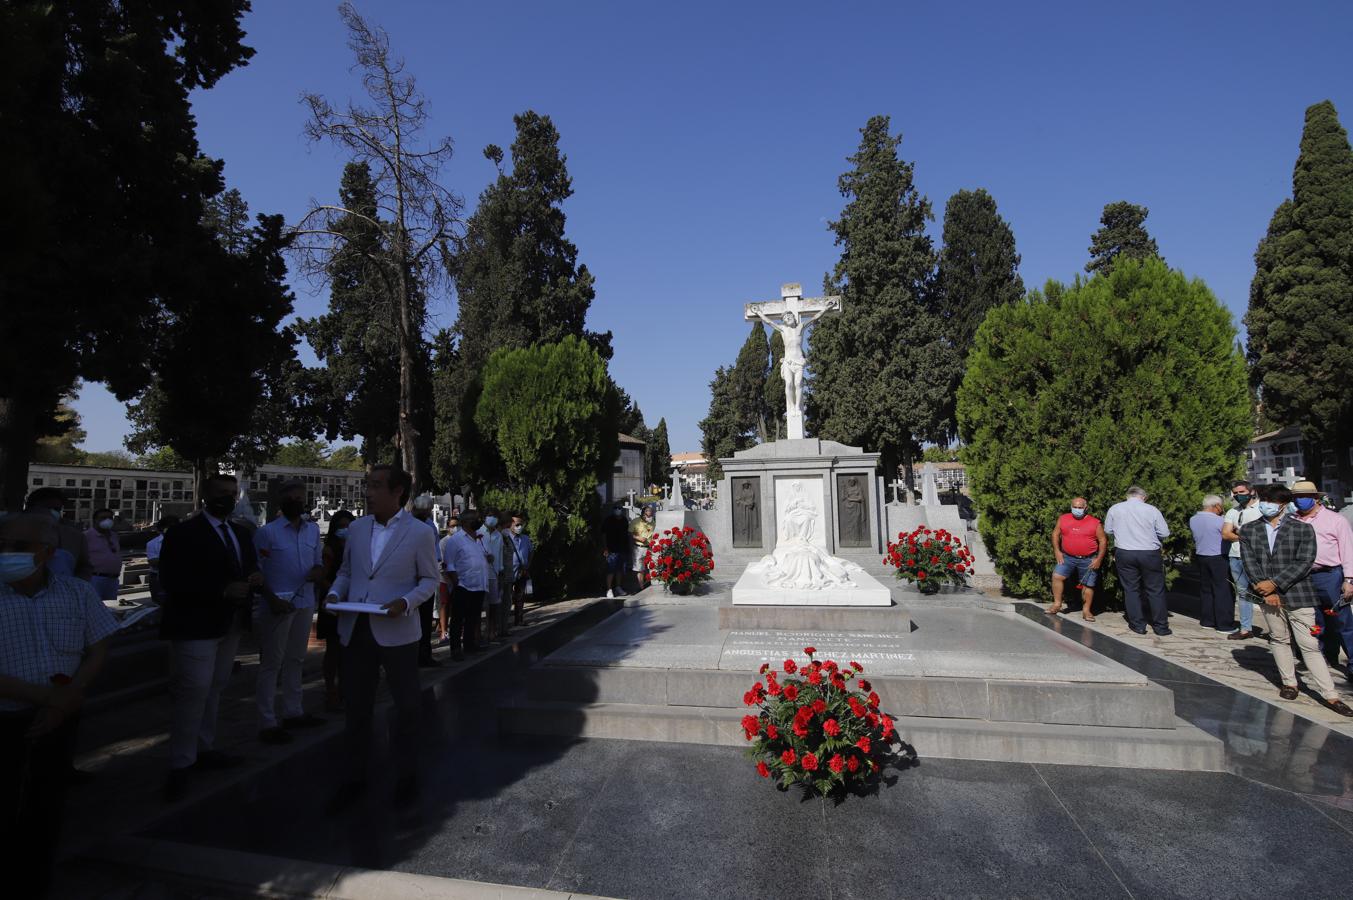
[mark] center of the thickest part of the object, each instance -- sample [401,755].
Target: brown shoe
[1240,636]
[1339,706]
[1288,692]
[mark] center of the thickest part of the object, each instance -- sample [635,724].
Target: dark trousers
[1338,631]
[1214,593]
[1142,571]
[33,778]
[425,639]
[362,661]
[466,609]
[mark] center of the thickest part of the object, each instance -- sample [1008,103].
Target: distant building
[141,496]
[1269,456]
[694,471]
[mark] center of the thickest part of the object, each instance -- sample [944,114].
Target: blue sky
[705,139]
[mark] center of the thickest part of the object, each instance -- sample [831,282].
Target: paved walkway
[1244,665]
[125,746]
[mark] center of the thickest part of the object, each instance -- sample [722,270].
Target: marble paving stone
[1204,835]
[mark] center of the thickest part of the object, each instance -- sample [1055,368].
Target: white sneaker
[610,595]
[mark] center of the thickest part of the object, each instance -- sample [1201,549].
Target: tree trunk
[17,438]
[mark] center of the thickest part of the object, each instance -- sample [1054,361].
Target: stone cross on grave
[899,488]
[790,315]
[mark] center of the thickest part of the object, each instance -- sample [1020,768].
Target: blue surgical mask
[490,521]
[16,566]
[341,533]
[1268,510]
[1304,504]
[1078,512]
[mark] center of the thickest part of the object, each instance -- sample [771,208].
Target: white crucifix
[791,315]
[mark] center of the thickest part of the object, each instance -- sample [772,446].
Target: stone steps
[1083,704]
[1181,747]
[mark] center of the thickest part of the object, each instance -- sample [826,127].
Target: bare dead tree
[417,214]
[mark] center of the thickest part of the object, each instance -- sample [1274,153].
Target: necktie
[230,543]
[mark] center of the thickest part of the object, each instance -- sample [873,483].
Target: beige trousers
[1317,672]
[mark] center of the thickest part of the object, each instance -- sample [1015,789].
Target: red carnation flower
[764,668]
[920,575]
[748,699]
[887,726]
[871,719]
[863,743]
[774,689]
[809,762]
[751,724]
[791,667]
[789,757]
[831,727]
[873,700]
[856,707]
[772,732]
[763,770]
[791,693]
[800,727]
[856,666]
[865,685]
[810,650]
[819,706]
[853,764]
[837,763]
[814,677]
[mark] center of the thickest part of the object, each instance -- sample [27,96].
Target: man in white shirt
[291,557]
[1137,528]
[1245,511]
[422,511]
[496,545]
[390,568]
[465,568]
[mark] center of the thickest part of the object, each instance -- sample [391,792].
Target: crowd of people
[1273,548]
[371,588]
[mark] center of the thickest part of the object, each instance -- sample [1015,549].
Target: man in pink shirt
[1332,573]
[105,555]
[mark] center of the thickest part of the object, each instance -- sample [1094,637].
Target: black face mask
[292,508]
[220,507]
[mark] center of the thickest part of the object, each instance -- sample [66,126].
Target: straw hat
[1305,487]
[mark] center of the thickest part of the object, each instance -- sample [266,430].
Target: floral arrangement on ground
[930,559]
[820,728]
[680,558]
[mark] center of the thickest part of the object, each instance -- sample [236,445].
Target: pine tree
[517,276]
[749,383]
[104,181]
[1161,401]
[1300,319]
[1122,235]
[978,270]
[881,369]
[356,390]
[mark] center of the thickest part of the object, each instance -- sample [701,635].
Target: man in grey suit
[390,560]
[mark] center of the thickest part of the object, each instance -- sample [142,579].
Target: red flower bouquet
[819,726]
[930,559]
[680,558]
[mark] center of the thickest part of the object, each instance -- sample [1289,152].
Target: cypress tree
[658,455]
[1160,400]
[1122,234]
[881,369]
[517,276]
[978,270]
[1300,318]
[775,390]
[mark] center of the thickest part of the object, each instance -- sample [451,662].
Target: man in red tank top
[1079,543]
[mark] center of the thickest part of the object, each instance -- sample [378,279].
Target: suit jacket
[1288,565]
[195,567]
[407,568]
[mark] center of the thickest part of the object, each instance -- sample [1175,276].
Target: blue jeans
[1078,566]
[1338,628]
[1242,584]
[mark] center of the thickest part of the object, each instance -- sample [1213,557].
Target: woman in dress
[326,623]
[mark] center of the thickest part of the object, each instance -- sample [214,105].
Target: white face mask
[1077,512]
[516,529]
[105,524]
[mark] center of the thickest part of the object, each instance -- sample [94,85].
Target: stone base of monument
[752,590]
[968,678]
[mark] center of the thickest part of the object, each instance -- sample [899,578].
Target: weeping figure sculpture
[798,563]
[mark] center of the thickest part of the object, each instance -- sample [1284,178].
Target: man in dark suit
[208,572]
[1278,552]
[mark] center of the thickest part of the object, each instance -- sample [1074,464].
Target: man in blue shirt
[291,558]
[519,542]
[1137,528]
[1216,609]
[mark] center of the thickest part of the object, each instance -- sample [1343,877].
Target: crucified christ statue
[790,316]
